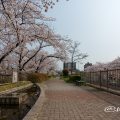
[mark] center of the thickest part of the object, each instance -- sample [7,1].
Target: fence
[110,79]
[5,78]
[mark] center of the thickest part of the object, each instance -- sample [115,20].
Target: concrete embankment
[34,112]
[16,89]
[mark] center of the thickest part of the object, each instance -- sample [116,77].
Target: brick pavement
[65,101]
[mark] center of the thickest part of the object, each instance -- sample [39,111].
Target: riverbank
[18,111]
[13,87]
[34,112]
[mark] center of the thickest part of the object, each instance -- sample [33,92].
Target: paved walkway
[65,101]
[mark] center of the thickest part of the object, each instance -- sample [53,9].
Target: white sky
[95,23]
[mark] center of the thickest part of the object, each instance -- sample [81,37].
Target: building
[70,66]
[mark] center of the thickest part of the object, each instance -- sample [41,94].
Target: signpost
[15,77]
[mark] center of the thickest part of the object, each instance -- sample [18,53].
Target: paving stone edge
[35,110]
[105,89]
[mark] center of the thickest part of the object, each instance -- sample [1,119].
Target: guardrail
[110,79]
[5,78]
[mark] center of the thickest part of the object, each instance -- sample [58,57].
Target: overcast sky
[94,23]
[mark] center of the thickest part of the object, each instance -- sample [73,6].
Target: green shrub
[65,78]
[65,72]
[73,78]
[37,77]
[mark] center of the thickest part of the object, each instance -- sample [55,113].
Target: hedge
[37,77]
[73,78]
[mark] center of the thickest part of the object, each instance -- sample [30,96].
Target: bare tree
[75,54]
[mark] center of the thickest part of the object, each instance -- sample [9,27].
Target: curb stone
[35,110]
[105,89]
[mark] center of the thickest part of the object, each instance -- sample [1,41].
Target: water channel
[18,111]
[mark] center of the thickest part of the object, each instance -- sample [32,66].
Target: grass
[65,78]
[13,85]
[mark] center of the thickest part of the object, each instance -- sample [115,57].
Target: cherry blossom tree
[97,67]
[40,65]
[115,64]
[22,23]
[26,54]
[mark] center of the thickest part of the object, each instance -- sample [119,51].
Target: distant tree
[75,54]
[65,72]
[96,67]
[115,64]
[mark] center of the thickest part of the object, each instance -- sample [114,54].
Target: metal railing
[5,78]
[110,79]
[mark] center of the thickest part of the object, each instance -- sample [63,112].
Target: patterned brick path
[65,101]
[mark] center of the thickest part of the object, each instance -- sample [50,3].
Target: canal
[18,111]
